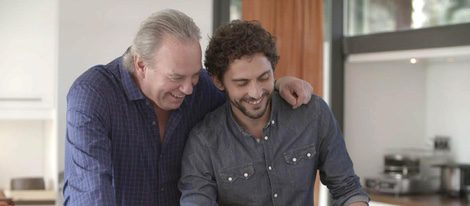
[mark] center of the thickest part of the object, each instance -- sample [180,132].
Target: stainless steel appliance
[397,185]
[405,173]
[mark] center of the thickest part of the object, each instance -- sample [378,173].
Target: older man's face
[173,74]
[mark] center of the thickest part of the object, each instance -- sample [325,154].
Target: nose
[186,87]
[255,90]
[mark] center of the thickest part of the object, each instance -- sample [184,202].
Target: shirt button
[230,179]
[272,122]
[270,168]
[154,123]
[275,195]
[245,174]
[266,138]
[162,189]
[294,159]
[309,154]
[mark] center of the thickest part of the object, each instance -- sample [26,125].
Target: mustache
[249,98]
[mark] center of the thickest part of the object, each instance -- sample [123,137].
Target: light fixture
[413,60]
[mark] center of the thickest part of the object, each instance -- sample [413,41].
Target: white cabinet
[28,59]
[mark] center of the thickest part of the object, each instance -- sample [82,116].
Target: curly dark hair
[235,40]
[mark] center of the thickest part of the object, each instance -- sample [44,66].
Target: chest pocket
[236,185]
[300,166]
[233,175]
[299,155]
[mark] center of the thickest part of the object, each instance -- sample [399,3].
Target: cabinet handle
[20,99]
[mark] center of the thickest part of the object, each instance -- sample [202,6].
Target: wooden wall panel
[298,27]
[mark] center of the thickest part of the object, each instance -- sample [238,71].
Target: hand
[6,202]
[294,90]
[358,204]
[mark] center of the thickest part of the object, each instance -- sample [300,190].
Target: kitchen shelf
[26,114]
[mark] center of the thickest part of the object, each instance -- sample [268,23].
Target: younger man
[256,149]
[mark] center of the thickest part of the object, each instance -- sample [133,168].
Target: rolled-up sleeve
[88,167]
[197,183]
[336,167]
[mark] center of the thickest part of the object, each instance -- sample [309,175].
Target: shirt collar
[132,90]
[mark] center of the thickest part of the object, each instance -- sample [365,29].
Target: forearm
[340,177]
[98,193]
[87,182]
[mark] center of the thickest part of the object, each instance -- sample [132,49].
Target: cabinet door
[28,54]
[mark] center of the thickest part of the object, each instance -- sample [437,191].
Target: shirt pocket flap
[231,175]
[297,155]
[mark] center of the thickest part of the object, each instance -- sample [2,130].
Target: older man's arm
[294,90]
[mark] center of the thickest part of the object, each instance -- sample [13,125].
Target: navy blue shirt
[113,153]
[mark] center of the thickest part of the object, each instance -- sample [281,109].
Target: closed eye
[175,77]
[264,77]
[241,83]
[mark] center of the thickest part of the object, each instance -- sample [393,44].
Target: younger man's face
[249,83]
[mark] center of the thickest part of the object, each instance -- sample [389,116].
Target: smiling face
[249,83]
[172,74]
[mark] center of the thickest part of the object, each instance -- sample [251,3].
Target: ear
[218,83]
[139,66]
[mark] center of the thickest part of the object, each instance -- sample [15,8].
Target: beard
[259,111]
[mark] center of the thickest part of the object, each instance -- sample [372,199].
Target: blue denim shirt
[113,152]
[224,165]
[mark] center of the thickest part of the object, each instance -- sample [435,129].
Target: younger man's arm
[197,183]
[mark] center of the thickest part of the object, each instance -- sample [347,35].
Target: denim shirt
[224,165]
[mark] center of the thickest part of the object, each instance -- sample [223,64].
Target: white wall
[59,40]
[96,32]
[384,109]
[448,108]
[391,104]
[29,51]
[22,151]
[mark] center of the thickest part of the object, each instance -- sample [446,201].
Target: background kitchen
[395,73]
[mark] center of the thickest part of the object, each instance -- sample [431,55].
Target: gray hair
[152,31]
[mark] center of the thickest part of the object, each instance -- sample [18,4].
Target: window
[376,16]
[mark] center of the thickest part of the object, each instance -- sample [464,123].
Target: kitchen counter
[419,200]
[31,197]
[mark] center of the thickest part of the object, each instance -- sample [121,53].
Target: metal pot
[454,178]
